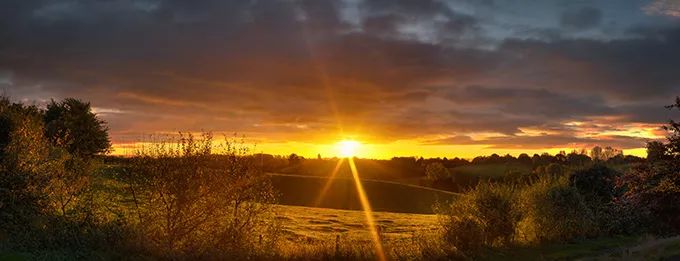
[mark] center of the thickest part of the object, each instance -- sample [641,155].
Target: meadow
[309,228]
[341,193]
[306,229]
[189,198]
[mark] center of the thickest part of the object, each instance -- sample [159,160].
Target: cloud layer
[453,72]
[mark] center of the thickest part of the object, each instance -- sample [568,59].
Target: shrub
[43,207]
[554,212]
[653,192]
[437,171]
[484,216]
[194,204]
[23,154]
[495,208]
[465,233]
[596,184]
[555,169]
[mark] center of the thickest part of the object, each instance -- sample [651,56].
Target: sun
[348,148]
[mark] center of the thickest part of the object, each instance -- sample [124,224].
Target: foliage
[72,124]
[554,212]
[44,202]
[653,189]
[23,153]
[555,169]
[465,233]
[437,171]
[596,183]
[192,203]
[484,216]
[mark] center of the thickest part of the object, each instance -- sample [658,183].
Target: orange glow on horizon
[381,151]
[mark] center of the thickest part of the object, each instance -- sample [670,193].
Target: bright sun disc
[348,148]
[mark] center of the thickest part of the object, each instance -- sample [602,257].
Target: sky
[428,78]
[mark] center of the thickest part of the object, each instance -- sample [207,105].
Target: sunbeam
[368,212]
[328,183]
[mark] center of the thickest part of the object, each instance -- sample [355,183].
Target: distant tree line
[443,173]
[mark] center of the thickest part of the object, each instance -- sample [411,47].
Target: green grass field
[304,226]
[342,194]
[317,225]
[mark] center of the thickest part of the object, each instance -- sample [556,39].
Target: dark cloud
[581,19]
[303,70]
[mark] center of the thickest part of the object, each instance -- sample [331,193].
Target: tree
[610,152]
[71,124]
[294,159]
[524,159]
[674,128]
[436,171]
[656,151]
[596,153]
[577,159]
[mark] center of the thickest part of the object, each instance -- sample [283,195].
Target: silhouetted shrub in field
[596,184]
[193,204]
[465,234]
[554,212]
[485,216]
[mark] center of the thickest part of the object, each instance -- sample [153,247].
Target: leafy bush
[194,204]
[23,154]
[484,216]
[436,171]
[43,202]
[653,189]
[555,169]
[596,184]
[653,192]
[554,212]
[465,233]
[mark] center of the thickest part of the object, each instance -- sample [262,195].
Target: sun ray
[328,183]
[368,212]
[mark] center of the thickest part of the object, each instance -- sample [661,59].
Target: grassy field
[341,194]
[311,227]
[317,225]
[304,226]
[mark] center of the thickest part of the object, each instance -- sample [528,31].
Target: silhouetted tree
[436,171]
[294,159]
[524,159]
[71,124]
[577,159]
[596,153]
[656,151]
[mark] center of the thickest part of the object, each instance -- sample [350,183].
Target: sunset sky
[404,77]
